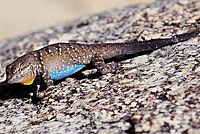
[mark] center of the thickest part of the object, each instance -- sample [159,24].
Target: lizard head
[20,71]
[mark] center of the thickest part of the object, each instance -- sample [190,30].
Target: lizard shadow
[15,90]
[80,76]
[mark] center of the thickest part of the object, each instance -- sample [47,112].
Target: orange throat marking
[29,80]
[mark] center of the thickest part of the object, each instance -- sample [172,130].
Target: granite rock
[157,92]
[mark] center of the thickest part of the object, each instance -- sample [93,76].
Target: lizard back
[64,59]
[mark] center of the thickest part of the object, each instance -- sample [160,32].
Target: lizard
[59,60]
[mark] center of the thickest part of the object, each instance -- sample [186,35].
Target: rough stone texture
[153,93]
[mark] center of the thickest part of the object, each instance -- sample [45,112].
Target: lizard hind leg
[102,67]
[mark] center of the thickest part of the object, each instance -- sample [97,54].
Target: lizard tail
[150,45]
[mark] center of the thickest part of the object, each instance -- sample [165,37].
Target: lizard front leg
[103,68]
[38,84]
[47,79]
[36,87]
[49,83]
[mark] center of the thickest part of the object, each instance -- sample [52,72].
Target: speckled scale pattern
[64,59]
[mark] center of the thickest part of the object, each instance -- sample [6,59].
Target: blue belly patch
[57,75]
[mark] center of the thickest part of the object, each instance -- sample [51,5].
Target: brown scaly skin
[64,55]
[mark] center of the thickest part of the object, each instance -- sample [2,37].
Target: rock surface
[152,93]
